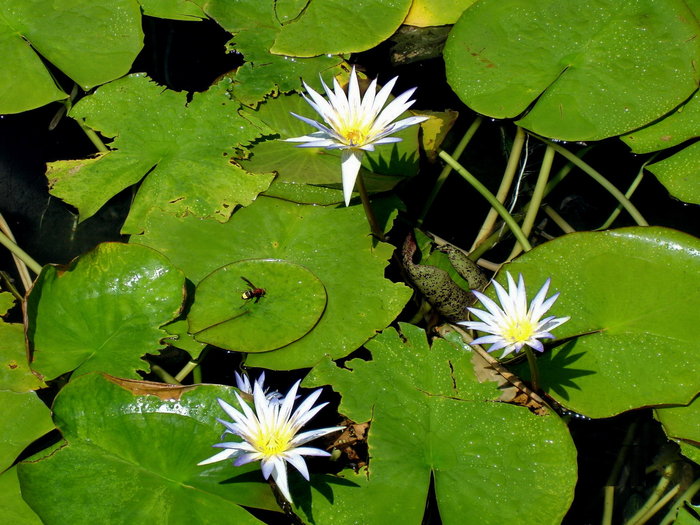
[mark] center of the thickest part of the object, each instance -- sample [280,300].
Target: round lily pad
[257,305]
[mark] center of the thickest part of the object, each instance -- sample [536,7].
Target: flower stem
[19,263]
[369,212]
[448,169]
[536,200]
[624,201]
[483,190]
[635,183]
[20,253]
[506,182]
[534,371]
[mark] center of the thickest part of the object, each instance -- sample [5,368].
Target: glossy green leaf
[682,423]
[172,9]
[224,315]
[332,243]
[139,442]
[7,301]
[429,415]
[181,150]
[633,295]
[586,71]
[26,418]
[424,13]
[15,374]
[255,25]
[182,338]
[675,128]
[103,312]
[680,174]
[14,508]
[91,41]
[334,25]
[319,166]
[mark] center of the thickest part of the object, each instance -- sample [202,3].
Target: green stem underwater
[369,212]
[534,371]
[484,191]
[20,253]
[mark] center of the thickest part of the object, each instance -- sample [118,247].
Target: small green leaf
[586,71]
[680,174]
[293,301]
[181,150]
[255,25]
[26,418]
[334,25]
[332,243]
[172,9]
[682,423]
[103,312]
[675,128]
[429,415]
[139,442]
[633,295]
[91,41]
[14,508]
[15,374]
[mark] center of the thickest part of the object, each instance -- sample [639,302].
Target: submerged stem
[536,201]
[534,371]
[484,191]
[506,182]
[20,253]
[600,179]
[369,212]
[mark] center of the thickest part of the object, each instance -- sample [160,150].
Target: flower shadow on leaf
[556,372]
[398,163]
[322,483]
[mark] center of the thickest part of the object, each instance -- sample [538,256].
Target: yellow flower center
[272,444]
[356,137]
[519,331]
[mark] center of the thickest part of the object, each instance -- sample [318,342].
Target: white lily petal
[511,324]
[351,160]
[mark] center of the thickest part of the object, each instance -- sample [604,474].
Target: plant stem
[448,169]
[483,190]
[558,219]
[609,489]
[19,263]
[369,212]
[664,481]
[635,183]
[163,375]
[534,371]
[506,182]
[20,253]
[624,201]
[94,137]
[687,496]
[537,195]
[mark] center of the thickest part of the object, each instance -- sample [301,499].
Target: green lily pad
[633,295]
[683,425]
[332,243]
[675,128]
[91,41]
[255,25]
[430,416]
[586,71]
[229,314]
[334,25]
[182,150]
[15,374]
[139,442]
[30,418]
[14,508]
[426,13]
[680,174]
[103,311]
[172,9]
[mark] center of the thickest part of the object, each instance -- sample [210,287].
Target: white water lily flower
[243,384]
[355,124]
[270,434]
[512,324]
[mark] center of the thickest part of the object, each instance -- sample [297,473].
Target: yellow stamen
[355,137]
[519,331]
[273,444]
